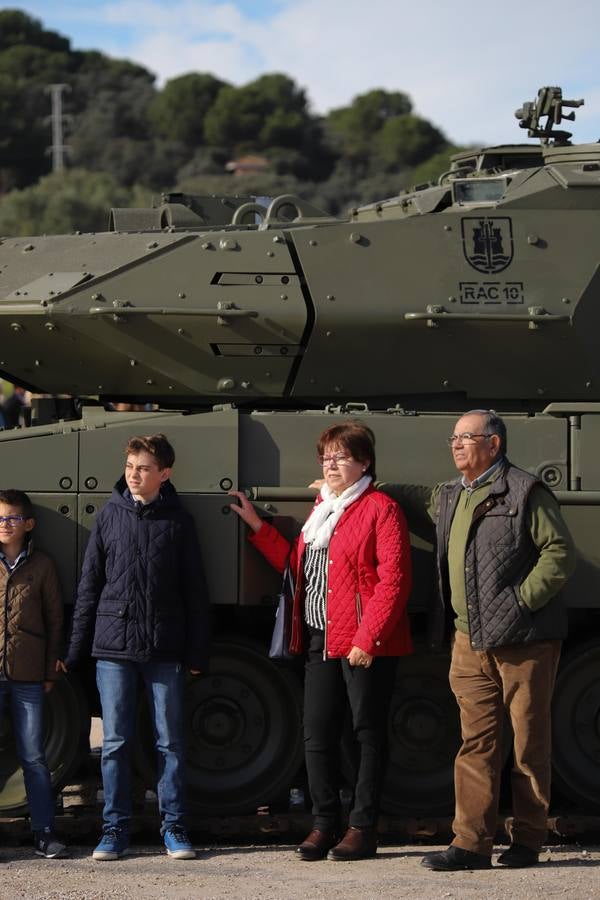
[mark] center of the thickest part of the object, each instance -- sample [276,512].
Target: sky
[466,67]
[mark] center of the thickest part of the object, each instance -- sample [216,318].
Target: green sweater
[548,531]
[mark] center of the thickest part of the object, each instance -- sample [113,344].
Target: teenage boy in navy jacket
[142,609]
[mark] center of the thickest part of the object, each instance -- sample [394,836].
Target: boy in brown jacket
[31,624]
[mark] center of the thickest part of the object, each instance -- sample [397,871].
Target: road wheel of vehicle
[66,733]
[424,736]
[576,727]
[244,732]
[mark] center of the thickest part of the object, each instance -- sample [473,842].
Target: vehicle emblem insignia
[487,243]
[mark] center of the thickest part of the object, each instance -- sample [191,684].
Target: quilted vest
[500,553]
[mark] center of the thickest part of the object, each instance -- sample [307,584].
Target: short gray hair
[492,424]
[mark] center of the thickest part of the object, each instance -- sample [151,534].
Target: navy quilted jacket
[142,594]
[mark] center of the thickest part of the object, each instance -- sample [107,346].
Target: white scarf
[320,525]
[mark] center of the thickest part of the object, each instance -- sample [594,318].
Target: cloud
[466,68]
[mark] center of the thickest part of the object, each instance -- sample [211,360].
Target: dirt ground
[272,873]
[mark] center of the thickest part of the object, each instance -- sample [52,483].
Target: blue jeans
[27,712]
[117,683]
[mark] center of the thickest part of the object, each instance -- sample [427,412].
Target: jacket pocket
[517,620]
[111,626]
[25,656]
[358,603]
[525,611]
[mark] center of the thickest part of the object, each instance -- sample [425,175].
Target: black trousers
[330,687]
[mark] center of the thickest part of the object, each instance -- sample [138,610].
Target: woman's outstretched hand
[246,511]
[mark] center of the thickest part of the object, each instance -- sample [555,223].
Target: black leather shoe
[454,860]
[357,843]
[519,857]
[316,845]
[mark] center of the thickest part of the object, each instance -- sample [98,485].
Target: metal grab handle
[535,316]
[224,313]
[577,498]
[51,311]
[489,317]
[281,493]
[23,309]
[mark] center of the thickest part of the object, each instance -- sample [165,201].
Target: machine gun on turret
[549,103]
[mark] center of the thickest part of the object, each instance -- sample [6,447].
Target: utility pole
[57,119]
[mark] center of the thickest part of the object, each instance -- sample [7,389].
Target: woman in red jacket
[353,577]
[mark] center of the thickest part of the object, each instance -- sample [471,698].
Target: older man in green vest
[503,554]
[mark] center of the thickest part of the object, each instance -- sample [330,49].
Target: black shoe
[47,845]
[316,845]
[519,857]
[454,860]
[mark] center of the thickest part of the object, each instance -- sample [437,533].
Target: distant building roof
[247,165]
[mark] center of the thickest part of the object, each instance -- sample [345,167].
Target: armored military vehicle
[249,327]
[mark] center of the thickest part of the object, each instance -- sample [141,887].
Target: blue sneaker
[113,844]
[178,843]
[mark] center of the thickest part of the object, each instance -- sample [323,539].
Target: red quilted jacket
[369,578]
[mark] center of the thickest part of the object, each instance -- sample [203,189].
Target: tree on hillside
[177,113]
[121,124]
[111,128]
[25,71]
[109,101]
[353,128]
[99,80]
[270,109]
[17,27]
[407,140]
[65,202]
[269,115]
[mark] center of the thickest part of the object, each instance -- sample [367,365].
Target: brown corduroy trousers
[518,679]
